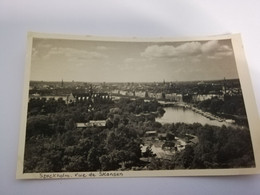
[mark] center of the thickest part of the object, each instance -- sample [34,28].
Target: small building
[162,136]
[98,123]
[150,133]
[191,139]
[71,98]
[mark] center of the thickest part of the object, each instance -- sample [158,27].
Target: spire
[224,86]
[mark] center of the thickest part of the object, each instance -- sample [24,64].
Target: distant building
[115,92]
[158,96]
[90,97]
[140,94]
[130,93]
[45,86]
[152,95]
[38,96]
[201,83]
[123,92]
[203,97]
[174,97]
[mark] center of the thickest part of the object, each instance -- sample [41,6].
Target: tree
[69,125]
[98,116]
[105,163]
[148,152]
[38,125]
[170,136]
[109,124]
[184,159]
[161,111]
[93,160]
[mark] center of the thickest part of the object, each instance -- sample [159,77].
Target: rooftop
[98,123]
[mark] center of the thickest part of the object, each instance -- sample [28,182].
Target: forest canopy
[55,144]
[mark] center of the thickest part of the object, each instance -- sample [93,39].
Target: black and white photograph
[114,107]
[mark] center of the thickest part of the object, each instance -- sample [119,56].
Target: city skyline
[100,82]
[110,61]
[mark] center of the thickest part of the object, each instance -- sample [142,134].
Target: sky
[114,61]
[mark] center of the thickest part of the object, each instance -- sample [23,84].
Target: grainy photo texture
[99,107]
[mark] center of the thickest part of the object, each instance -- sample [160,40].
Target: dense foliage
[218,147]
[55,144]
[233,105]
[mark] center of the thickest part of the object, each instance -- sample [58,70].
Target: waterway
[185,115]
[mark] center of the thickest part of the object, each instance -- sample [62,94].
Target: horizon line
[135,81]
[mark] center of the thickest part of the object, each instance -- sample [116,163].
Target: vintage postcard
[129,107]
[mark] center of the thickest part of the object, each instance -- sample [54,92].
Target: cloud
[136,64]
[156,51]
[210,47]
[129,60]
[40,49]
[216,51]
[74,54]
[189,49]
